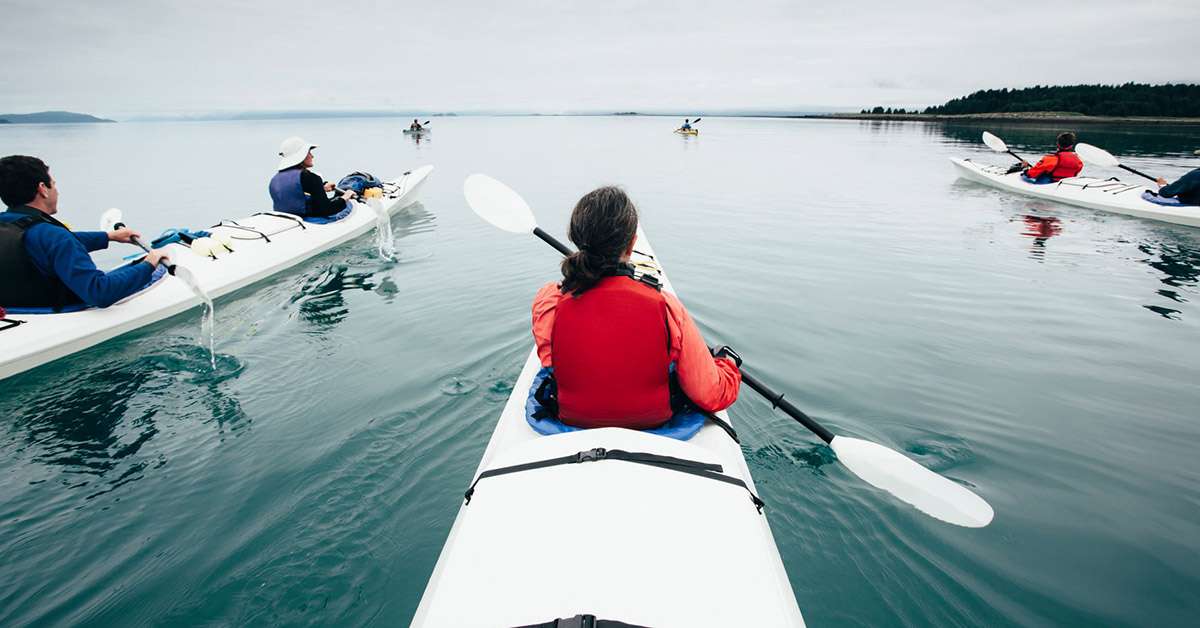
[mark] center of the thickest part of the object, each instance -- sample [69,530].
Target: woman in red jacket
[620,346]
[1059,165]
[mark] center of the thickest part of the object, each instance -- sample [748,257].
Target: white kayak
[610,538]
[263,244]
[1111,195]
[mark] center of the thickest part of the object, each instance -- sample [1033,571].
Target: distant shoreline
[51,117]
[1025,117]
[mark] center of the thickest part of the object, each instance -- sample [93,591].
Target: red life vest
[610,352]
[1068,165]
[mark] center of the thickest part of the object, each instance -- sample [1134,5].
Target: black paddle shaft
[552,241]
[778,401]
[1142,174]
[753,382]
[142,245]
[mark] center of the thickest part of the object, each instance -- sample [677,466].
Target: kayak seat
[159,273]
[1165,201]
[681,426]
[1042,180]
[324,220]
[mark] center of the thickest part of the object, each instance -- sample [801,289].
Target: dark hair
[19,179]
[603,225]
[1066,140]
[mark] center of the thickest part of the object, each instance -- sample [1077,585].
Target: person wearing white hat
[296,189]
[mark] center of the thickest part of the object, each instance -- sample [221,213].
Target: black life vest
[24,285]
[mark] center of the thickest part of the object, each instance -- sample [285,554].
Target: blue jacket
[1186,189]
[57,252]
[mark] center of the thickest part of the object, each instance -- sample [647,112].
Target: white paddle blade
[910,482]
[1096,155]
[186,276]
[109,218]
[994,143]
[498,204]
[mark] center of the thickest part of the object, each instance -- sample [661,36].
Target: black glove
[726,351]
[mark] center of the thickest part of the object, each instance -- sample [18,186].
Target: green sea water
[1044,355]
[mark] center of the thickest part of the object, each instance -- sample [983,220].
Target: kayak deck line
[707,470]
[1110,195]
[47,337]
[661,548]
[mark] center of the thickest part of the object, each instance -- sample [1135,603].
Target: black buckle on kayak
[578,621]
[591,455]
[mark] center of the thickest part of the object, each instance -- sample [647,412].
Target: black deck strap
[706,470]
[583,621]
[724,425]
[296,219]
[232,224]
[9,323]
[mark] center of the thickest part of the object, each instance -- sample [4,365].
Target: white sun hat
[292,151]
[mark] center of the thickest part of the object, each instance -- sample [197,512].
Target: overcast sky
[129,57]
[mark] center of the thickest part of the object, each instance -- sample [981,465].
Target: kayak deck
[1111,195]
[611,538]
[263,244]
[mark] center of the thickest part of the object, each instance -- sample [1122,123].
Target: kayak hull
[1110,195]
[688,131]
[610,538]
[46,337]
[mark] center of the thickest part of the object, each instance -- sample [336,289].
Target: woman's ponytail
[603,224]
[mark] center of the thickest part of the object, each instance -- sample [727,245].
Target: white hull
[1108,195]
[46,337]
[613,539]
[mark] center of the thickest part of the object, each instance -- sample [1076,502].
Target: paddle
[111,220]
[1102,157]
[879,466]
[999,146]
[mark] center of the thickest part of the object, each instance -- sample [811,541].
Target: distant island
[1131,102]
[50,117]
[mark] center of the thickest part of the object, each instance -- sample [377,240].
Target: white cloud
[127,57]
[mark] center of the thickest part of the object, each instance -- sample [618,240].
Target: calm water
[1045,355]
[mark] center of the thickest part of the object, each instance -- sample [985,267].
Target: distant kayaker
[297,190]
[415,126]
[1059,165]
[687,125]
[1186,190]
[43,262]
[622,350]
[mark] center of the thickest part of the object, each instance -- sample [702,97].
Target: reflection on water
[96,426]
[1180,268]
[321,297]
[1041,229]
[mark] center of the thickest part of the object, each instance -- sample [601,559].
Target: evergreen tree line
[889,111]
[1131,99]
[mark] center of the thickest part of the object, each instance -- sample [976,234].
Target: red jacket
[611,348]
[1061,165]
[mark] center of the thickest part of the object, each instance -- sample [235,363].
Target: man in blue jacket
[1186,189]
[45,264]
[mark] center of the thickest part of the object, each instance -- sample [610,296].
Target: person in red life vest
[620,346]
[1059,165]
